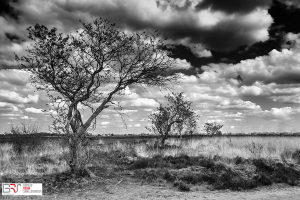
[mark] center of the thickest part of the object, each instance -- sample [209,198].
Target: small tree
[92,66]
[213,128]
[173,118]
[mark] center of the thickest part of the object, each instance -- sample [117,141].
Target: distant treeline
[111,135]
[33,135]
[264,134]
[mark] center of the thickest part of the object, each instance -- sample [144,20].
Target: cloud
[182,64]
[233,6]
[238,104]
[250,90]
[280,113]
[293,99]
[14,77]
[13,97]
[105,123]
[199,28]
[137,125]
[280,67]
[34,110]
[140,102]
[10,114]
[215,120]
[294,3]
[104,117]
[26,117]
[190,79]
[125,111]
[8,107]
[204,97]
[197,49]
[233,115]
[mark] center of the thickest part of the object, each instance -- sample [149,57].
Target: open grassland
[221,162]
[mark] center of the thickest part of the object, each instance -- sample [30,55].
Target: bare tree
[92,66]
[213,128]
[173,118]
[25,128]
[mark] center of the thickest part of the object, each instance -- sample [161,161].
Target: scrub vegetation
[235,163]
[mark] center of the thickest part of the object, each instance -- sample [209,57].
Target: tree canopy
[174,117]
[93,65]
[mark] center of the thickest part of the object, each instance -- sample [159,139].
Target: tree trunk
[79,154]
[163,140]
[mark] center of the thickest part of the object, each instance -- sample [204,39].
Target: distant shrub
[263,179]
[263,166]
[239,160]
[296,155]
[24,128]
[45,159]
[182,186]
[25,136]
[286,153]
[169,176]
[213,128]
[7,179]
[141,163]
[255,149]
[192,178]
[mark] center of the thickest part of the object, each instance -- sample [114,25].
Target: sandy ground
[127,188]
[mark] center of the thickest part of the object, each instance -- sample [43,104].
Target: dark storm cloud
[13,37]
[295,3]
[213,30]
[286,20]
[233,6]
[7,10]
[179,20]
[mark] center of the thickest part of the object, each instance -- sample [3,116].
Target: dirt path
[130,189]
[137,192]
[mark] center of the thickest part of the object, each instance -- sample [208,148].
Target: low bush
[296,156]
[141,163]
[182,186]
[45,159]
[247,174]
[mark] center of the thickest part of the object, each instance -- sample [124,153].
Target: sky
[240,60]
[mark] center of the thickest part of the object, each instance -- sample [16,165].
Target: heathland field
[225,162]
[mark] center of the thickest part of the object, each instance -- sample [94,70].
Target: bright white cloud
[104,117]
[34,110]
[137,125]
[294,99]
[140,102]
[238,104]
[281,112]
[250,90]
[8,107]
[182,64]
[13,97]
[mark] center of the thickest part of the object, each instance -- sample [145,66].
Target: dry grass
[246,147]
[50,157]
[45,159]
